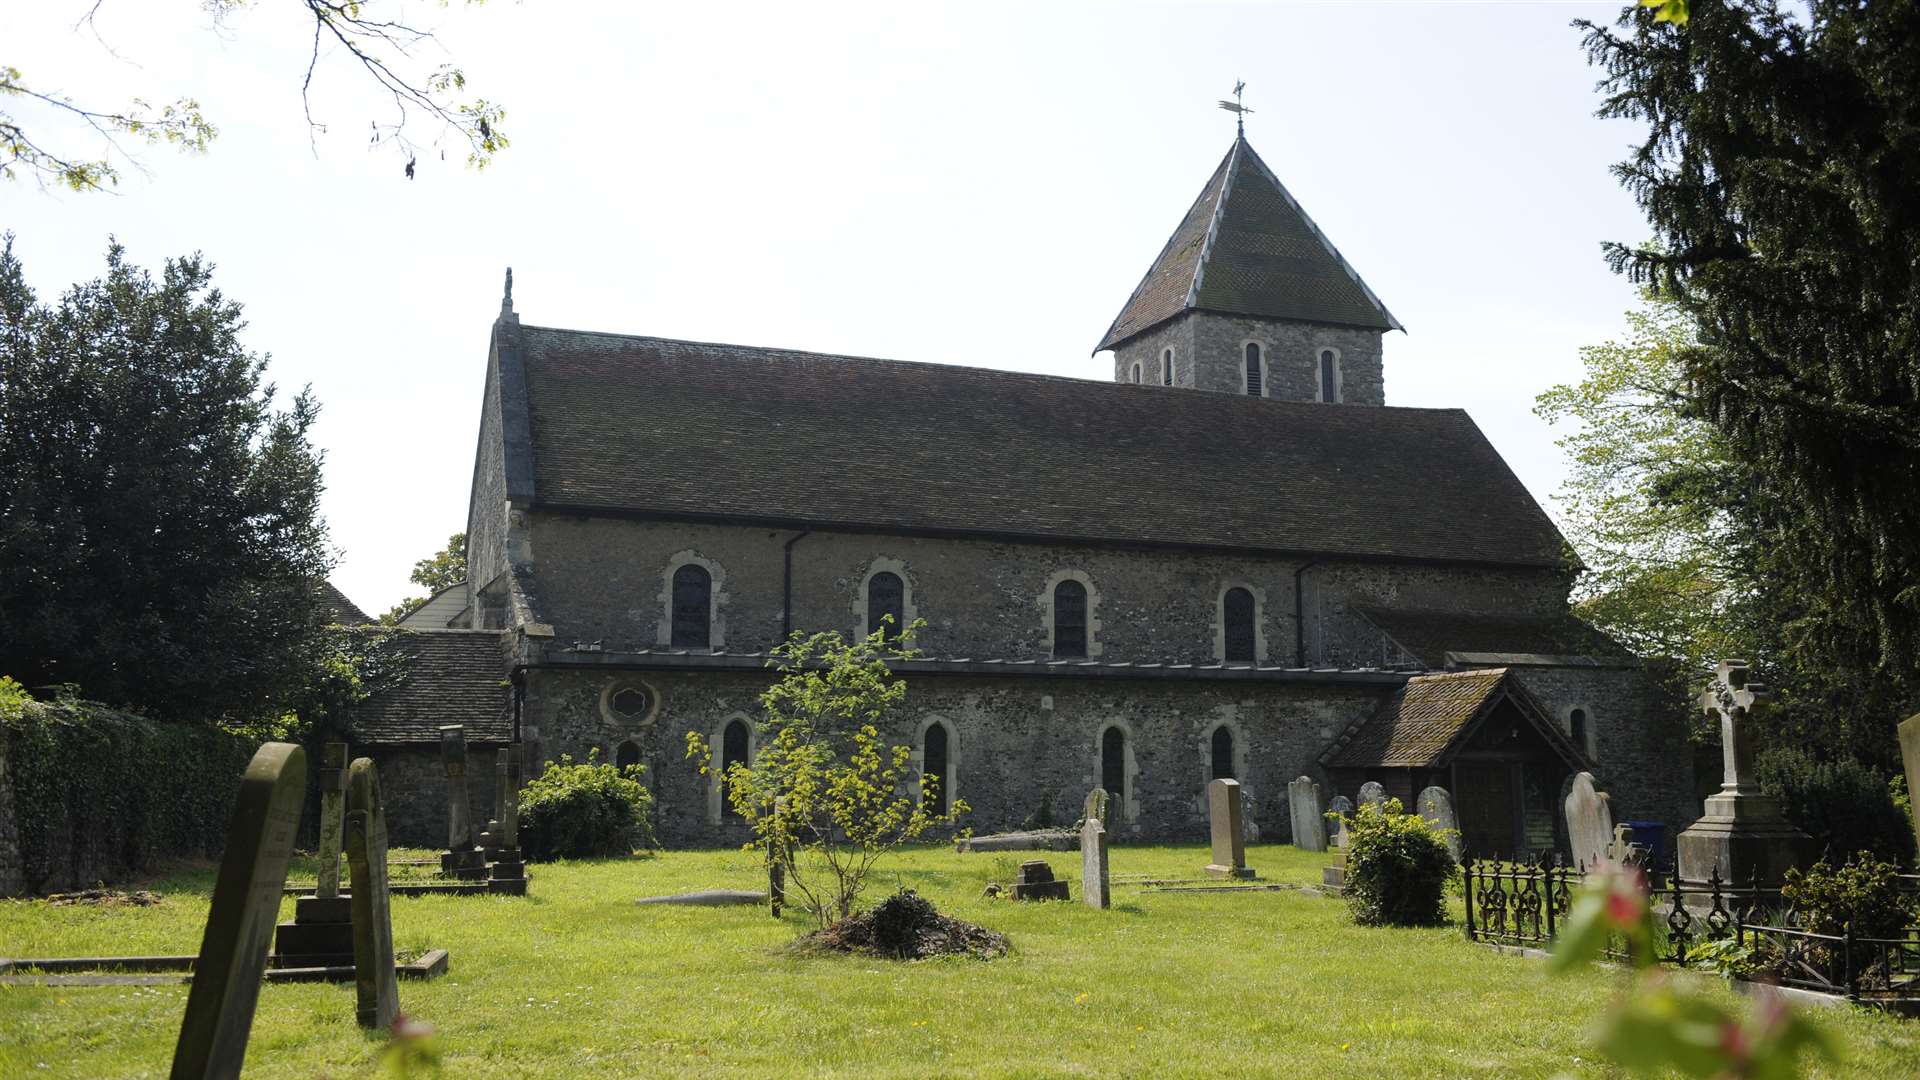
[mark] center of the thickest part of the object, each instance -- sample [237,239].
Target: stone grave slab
[240,921]
[708,898]
[1096,887]
[1035,840]
[1589,821]
[462,859]
[1337,835]
[321,933]
[1036,882]
[1371,793]
[1309,821]
[377,993]
[1436,806]
[1229,837]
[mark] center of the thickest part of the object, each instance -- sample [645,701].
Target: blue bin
[1651,835]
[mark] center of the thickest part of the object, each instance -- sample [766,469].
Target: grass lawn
[576,980]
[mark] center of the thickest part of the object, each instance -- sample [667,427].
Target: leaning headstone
[321,933]
[1337,829]
[1094,882]
[376,990]
[1036,882]
[1910,756]
[1096,808]
[1436,806]
[1229,839]
[246,900]
[461,859]
[1309,826]
[1371,794]
[1589,821]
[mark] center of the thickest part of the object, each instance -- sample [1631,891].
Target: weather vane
[1238,110]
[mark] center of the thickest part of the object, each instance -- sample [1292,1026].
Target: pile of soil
[906,927]
[105,897]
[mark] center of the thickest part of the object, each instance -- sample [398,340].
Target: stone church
[1234,559]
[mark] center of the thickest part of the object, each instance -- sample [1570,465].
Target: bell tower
[1250,297]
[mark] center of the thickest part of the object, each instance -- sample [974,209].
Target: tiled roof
[1430,715]
[722,432]
[1246,247]
[450,677]
[1431,635]
[344,611]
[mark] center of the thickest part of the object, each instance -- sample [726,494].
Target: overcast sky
[976,183]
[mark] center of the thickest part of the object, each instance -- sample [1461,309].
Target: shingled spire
[1247,248]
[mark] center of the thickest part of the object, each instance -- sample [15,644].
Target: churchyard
[576,980]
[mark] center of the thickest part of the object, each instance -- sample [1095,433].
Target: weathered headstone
[1589,821]
[321,933]
[1096,807]
[1095,888]
[377,991]
[461,859]
[246,901]
[1743,834]
[507,871]
[1036,882]
[1910,757]
[1229,839]
[1337,829]
[1371,793]
[1436,806]
[1303,804]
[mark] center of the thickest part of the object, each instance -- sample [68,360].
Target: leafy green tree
[443,568]
[372,37]
[1778,173]
[826,797]
[161,543]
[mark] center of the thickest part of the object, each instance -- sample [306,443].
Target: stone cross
[1589,821]
[333,793]
[1734,699]
[1342,806]
[246,902]
[510,813]
[453,755]
[1095,888]
[1229,837]
[1371,792]
[376,990]
[1436,806]
[1910,755]
[1309,824]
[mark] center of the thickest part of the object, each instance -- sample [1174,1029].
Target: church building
[1234,559]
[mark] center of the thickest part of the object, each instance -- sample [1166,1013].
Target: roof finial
[506,298]
[1238,110]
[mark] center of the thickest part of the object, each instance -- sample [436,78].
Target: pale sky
[976,183]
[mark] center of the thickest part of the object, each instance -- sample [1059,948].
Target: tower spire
[506,297]
[1238,110]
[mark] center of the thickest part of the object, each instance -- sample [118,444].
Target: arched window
[1253,370]
[1222,753]
[1113,765]
[934,785]
[1577,728]
[886,600]
[627,754]
[1329,375]
[692,607]
[1236,618]
[1070,620]
[1136,372]
[733,748]
[1166,368]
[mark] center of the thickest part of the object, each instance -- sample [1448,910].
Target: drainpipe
[786,588]
[1299,614]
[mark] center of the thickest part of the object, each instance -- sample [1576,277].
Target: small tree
[826,797]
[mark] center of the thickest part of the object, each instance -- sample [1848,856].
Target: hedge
[95,794]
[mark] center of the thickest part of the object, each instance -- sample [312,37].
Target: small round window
[630,702]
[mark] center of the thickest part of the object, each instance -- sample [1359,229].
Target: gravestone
[1372,793]
[1744,835]
[246,900]
[1303,804]
[1910,755]
[461,859]
[1229,838]
[377,992]
[321,933]
[1036,882]
[1589,821]
[1342,806]
[1095,887]
[1096,807]
[1436,806]
[507,871]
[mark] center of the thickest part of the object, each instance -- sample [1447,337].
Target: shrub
[581,811]
[1864,895]
[1843,805]
[1398,868]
